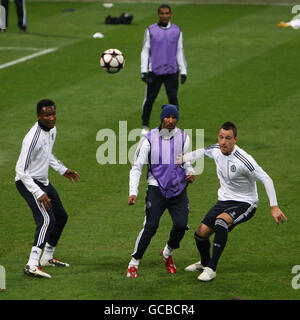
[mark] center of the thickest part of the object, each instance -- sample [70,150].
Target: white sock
[34,257]
[133,262]
[48,252]
[167,251]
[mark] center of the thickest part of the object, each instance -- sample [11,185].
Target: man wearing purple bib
[161,58]
[166,186]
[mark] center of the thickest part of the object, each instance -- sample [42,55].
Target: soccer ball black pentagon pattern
[112,60]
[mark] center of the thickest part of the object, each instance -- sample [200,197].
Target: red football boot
[169,263]
[132,272]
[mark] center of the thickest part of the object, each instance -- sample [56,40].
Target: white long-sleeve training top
[237,173]
[35,157]
[141,157]
[145,54]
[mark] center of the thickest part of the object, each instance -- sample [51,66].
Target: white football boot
[54,263]
[197,266]
[132,272]
[208,274]
[36,271]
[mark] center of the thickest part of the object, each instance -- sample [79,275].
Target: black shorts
[239,212]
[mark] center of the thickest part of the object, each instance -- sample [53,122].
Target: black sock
[221,234]
[203,245]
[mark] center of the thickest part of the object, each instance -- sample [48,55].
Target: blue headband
[169,109]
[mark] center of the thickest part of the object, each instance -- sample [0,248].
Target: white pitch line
[11,63]
[20,48]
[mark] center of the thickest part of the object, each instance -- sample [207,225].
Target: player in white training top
[237,197]
[34,186]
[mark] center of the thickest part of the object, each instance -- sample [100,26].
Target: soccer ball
[112,60]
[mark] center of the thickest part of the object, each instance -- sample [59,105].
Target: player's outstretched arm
[261,175]
[190,157]
[278,215]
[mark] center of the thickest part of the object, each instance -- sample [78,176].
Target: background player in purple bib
[162,57]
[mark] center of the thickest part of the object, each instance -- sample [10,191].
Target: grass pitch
[241,67]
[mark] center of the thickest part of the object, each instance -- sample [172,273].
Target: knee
[51,221]
[150,229]
[183,228]
[66,217]
[198,238]
[179,230]
[204,231]
[180,225]
[173,99]
[63,219]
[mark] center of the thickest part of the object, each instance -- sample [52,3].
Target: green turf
[241,67]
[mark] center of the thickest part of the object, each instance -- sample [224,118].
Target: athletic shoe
[283,24]
[35,271]
[54,263]
[23,29]
[169,263]
[207,275]
[195,267]
[132,272]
